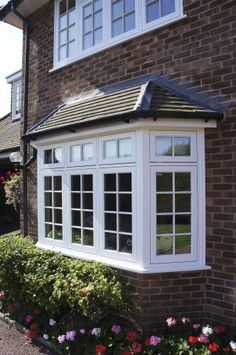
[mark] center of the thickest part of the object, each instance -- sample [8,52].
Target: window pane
[163,146]
[62,52]
[97,36]
[58,216]
[87,9]
[48,215]
[110,221]
[71,4]
[110,202]
[183,202]
[125,202]
[88,24]
[76,218]
[125,243]
[48,156]
[71,33]
[75,182]
[71,49]
[71,17]
[125,183]
[164,203]
[57,155]
[182,224]
[88,40]
[164,182]
[76,235]
[117,27]
[88,219]
[63,37]
[125,147]
[129,5]
[87,201]
[62,7]
[88,237]
[110,241]
[63,22]
[183,244]
[75,200]
[110,149]
[125,223]
[129,22]
[57,183]
[152,11]
[168,6]
[48,231]
[48,198]
[57,199]
[87,182]
[110,182]
[164,224]
[117,9]
[48,183]
[88,151]
[164,245]
[97,5]
[97,20]
[182,182]
[182,146]
[75,153]
[58,232]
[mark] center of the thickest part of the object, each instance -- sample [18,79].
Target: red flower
[131,336]
[219,329]
[100,349]
[192,339]
[31,334]
[213,347]
[147,342]
[34,326]
[137,347]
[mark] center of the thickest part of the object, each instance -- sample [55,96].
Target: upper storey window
[16,100]
[83,27]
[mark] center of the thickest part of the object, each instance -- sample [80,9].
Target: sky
[10,60]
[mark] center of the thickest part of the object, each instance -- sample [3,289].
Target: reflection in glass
[117,27]
[48,198]
[125,183]
[75,153]
[110,202]
[182,182]
[110,221]
[76,235]
[182,244]
[164,203]
[152,10]
[57,216]
[117,9]
[88,237]
[87,182]
[57,199]
[182,146]
[183,224]
[58,232]
[75,182]
[129,22]
[48,231]
[48,215]
[164,245]
[110,241]
[48,156]
[88,219]
[76,218]
[164,224]
[75,200]
[87,201]
[88,151]
[125,148]
[57,155]
[47,183]
[110,149]
[125,243]
[110,182]
[164,182]
[183,202]
[167,7]
[57,183]
[163,146]
[125,223]
[125,202]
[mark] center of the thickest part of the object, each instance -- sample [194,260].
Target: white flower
[96,331]
[82,331]
[45,336]
[52,322]
[207,330]
[233,345]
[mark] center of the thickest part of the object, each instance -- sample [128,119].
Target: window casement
[81,152]
[53,156]
[16,100]
[117,149]
[83,27]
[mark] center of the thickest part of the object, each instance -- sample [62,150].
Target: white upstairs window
[16,100]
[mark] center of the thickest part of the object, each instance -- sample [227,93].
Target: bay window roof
[153,96]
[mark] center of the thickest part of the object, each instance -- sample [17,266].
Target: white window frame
[15,85]
[81,142]
[108,41]
[194,214]
[53,165]
[111,253]
[172,134]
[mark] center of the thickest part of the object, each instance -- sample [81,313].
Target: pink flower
[203,338]
[116,329]
[154,340]
[82,331]
[61,338]
[171,321]
[2,295]
[185,320]
[28,318]
[137,347]
[70,335]
[196,326]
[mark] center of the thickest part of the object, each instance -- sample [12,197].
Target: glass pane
[62,53]
[71,4]
[63,37]
[87,201]
[125,148]
[164,182]
[110,149]
[125,183]
[97,19]
[183,203]
[71,49]
[125,223]
[57,216]
[97,36]
[57,155]
[125,202]
[48,231]
[87,9]
[117,27]
[76,235]
[164,203]
[110,241]
[97,5]
[110,182]
[88,151]
[164,245]
[164,224]
[57,183]
[62,7]
[182,181]
[125,243]
[48,156]
[87,182]
[48,215]
[163,146]
[182,146]
[129,22]
[75,200]
[71,17]
[48,198]
[183,244]
[129,5]
[71,33]
[183,224]
[63,22]
[152,11]
[110,202]
[88,237]
[58,232]
[76,218]
[88,219]
[88,40]
[48,183]
[57,199]
[110,221]
[168,6]
[75,183]
[75,153]
[117,9]
[88,24]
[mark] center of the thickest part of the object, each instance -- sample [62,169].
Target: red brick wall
[200,50]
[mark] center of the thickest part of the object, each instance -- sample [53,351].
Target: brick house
[131,107]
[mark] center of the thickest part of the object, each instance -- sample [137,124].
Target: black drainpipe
[27,28]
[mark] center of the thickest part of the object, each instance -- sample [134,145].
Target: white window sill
[128,266]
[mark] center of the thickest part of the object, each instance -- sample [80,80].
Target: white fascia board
[14,76]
